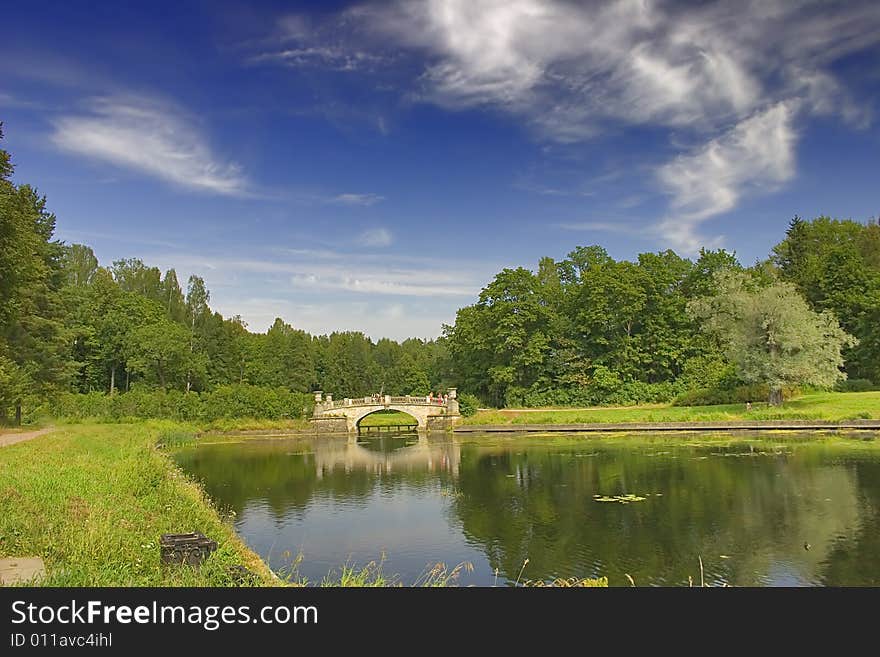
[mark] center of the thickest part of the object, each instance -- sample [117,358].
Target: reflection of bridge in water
[343,416]
[425,455]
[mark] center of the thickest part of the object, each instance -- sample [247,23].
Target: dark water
[779,511]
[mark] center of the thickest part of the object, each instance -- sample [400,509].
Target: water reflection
[756,513]
[407,452]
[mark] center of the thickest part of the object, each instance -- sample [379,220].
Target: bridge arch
[356,414]
[383,410]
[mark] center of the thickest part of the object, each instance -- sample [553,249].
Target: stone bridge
[344,415]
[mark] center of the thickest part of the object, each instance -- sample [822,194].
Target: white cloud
[377,320]
[571,67]
[151,137]
[567,67]
[357,199]
[604,227]
[376,237]
[756,154]
[387,295]
[321,271]
[728,75]
[327,57]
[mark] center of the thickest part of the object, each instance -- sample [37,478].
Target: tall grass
[830,406]
[93,501]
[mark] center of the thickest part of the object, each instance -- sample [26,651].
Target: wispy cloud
[367,274]
[327,57]
[8,100]
[301,42]
[605,227]
[152,137]
[376,237]
[394,320]
[571,68]
[721,75]
[756,154]
[356,199]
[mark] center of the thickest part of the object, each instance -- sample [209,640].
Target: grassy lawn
[386,418]
[93,500]
[831,406]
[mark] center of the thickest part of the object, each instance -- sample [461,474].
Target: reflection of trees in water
[289,475]
[538,504]
[515,501]
[853,559]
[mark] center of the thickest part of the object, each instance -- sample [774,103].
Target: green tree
[79,264]
[172,297]
[503,341]
[132,275]
[160,352]
[197,310]
[34,344]
[771,335]
[835,264]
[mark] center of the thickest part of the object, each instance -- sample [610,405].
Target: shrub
[855,385]
[225,402]
[735,395]
[627,393]
[468,404]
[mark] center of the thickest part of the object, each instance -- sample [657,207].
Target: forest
[82,338]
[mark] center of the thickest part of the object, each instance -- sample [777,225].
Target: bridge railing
[409,400]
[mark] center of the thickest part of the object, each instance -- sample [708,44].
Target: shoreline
[113,493]
[592,427]
[652,427]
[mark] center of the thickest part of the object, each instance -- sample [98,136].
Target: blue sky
[370,166]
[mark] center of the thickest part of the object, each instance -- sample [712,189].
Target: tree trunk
[192,334]
[127,375]
[776,396]
[18,413]
[112,379]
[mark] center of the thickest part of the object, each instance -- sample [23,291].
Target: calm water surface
[780,511]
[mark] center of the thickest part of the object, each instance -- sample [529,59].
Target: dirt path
[12,438]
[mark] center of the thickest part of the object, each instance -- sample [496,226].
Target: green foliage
[468,404]
[835,265]
[771,335]
[855,385]
[586,330]
[224,402]
[733,395]
[33,337]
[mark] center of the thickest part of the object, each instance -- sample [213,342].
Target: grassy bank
[214,426]
[387,418]
[830,406]
[93,500]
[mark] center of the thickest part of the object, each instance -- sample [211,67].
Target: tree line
[68,324]
[588,329]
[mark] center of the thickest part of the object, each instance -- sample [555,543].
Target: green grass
[223,425]
[245,424]
[93,500]
[386,418]
[830,406]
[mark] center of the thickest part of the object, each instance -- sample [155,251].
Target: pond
[780,510]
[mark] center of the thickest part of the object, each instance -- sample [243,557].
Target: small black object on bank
[191,549]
